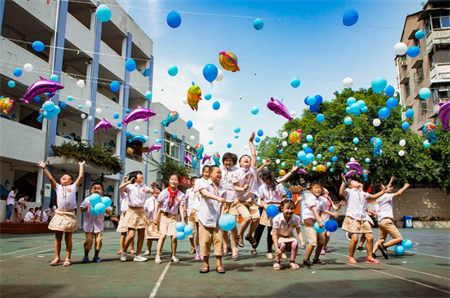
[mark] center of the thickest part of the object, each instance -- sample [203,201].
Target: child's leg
[174,245]
[309,251]
[327,238]
[98,243]
[160,245]
[352,246]
[362,240]
[140,242]
[87,243]
[234,233]
[258,232]
[129,240]
[282,247]
[369,244]
[19,215]
[58,240]
[294,250]
[132,243]
[269,239]
[244,225]
[254,224]
[149,245]
[392,230]
[197,237]
[68,238]
[191,240]
[123,236]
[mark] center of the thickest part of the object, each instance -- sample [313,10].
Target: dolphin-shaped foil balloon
[278,108]
[302,171]
[444,114]
[154,147]
[138,113]
[188,159]
[205,158]
[351,173]
[216,158]
[355,165]
[102,124]
[41,86]
[139,138]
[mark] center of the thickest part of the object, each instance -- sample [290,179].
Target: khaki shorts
[192,221]
[230,208]
[121,228]
[314,238]
[152,232]
[90,240]
[167,224]
[354,226]
[248,209]
[387,226]
[210,236]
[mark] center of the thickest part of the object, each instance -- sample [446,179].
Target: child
[64,221]
[246,185]
[121,228]
[10,203]
[170,202]
[114,216]
[212,197]
[39,218]
[229,169]
[20,205]
[327,205]
[386,219]
[283,233]
[93,225]
[29,216]
[135,218]
[192,203]
[313,207]
[152,232]
[355,221]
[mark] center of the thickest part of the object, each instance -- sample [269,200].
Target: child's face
[288,210]
[316,190]
[245,162]
[173,181]
[98,189]
[205,174]
[216,175]
[228,163]
[156,193]
[266,181]
[65,180]
[26,198]
[139,178]
[193,183]
[354,184]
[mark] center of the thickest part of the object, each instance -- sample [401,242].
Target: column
[150,88]
[39,189]
[2,10]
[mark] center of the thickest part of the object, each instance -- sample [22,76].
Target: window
[407,90]
[417,42]
[418,76]
[427,26]
[435,95]
[440,20]
[432,60]
[171,147]
[423,106]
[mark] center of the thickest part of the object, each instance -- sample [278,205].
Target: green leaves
[167,168]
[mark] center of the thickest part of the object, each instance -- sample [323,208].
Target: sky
[304,39]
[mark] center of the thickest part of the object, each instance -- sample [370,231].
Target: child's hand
[222,200]
[252,137]
[153,184]
[42,164]
[81,162]
[278,252]
[336,214]
[295,168]
[246,186]
[343,177]
[124,179]
[407,185]
[303,244]
[321,225]
[267,162]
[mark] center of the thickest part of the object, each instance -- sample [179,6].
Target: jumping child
[152,232]
[121,228]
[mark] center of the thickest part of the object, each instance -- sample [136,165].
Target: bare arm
[377,195]
[300,237]
[335,214]
[316,215]
[181,213]
[80,173]
[391,181]
[252,148]
[209,195]
[123,186]
[43,165]
[286,177]
[84,209]
[265,164]
[398,193]
[342,191]
[240,188]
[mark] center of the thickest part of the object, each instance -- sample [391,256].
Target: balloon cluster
[376,146]
[49,110]
[399,249]
[355,107]
[313,102]
[99,204]
[330,225]
[183,230]
[6,104]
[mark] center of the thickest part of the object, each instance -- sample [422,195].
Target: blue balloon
[331,149]
[210,142]
[348,120]
[424,93]
[208,96]
[361,103]
[175,136]
[54,78]
[260,133]
[189,124]
[155,131]
[38,46]
[328,164]
[127,111]
[80,107]
[309,151]
[319,229]
[426,144]
[180,235]
[272,211]
[229,145]
[305,146]
[37,99]
[354,107]
[355,141]
[311,100]
[258,24]
[210,72]
[405,125]
[114,86]
[305,100]
[334,159]
[297,162]
[255,110]
[301,155]
[389,91]
[119,124]
[309,157]
[313,108]
[350,17]
[331,170]
[348,110]
[383,113]
[283,164]
[128,133]
[409,113]
[56,110]
[216,105]
[106,201]
[95,199]
[236,137]
[237,129]
[280,152]
[50,115]
[188,230]
[99,208]
[103,13]
[331,225]
[17,72]
[173,70]
[148,95]
[257,140]
[413,52]
[320,118]
[379,84]
[130,65]
[420,34]
[179,226]
[319,99]
[367,160]
[227,222]
[351,100]
[116,116]
[258,159]
[319,156]
[173,19]
[407,244]
[48,106]
[309,138]
[295,83]
[63,104]
[392,102]
[399,250]
[11,84]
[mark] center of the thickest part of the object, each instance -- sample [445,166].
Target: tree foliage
[166,168]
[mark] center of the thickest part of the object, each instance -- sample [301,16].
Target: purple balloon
[102,124]
[351,173]
[278,108]
[138,113]
[41,86]
[355,165]
[444,114]
[205,158]
[154,147]
[188,159]
[301,171]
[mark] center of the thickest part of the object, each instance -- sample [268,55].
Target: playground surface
[423,271]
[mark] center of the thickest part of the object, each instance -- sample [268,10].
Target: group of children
[221,190]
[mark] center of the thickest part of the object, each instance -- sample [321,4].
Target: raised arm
[252,148]
[342,191]
[398,193]
[286,177]
[390,182]
[43,165]
[377,195]
[125,184]
[209,195]
[265,164]
[240,188]
[80,173]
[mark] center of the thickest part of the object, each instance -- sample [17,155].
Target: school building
[78,47]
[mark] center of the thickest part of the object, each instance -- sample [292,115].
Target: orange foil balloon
[228,61]
[295,136]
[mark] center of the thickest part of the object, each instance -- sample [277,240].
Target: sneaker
[123,256]
[361,249]
[351,260]
[322,252]
[97,260]
[327,250]
[140,258]
[372,261]
[119,252]
[85,260]
[199,257]
[383,251]
[147,253]
[348,236]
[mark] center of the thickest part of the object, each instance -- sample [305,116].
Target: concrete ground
[423,271]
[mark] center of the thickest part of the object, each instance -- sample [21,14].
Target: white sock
[197,250]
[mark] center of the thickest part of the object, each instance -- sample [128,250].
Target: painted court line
[21,250]
[163,274]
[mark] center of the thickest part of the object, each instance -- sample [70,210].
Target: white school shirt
[267,194]
[93,223]
[326,206]
[193,200]
[356,203]
[66,197]
[227,182]
[209,211]
[150,206]
[18,206]
[285,229]
[310,202]
[164,200]
[124,202]
[29,216]
[137,194]
[10,199]
[44,217]
[244,177]
[385,207]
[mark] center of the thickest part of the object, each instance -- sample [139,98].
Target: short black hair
[269,175]
[205,167]
[96,183]
[158,187]
[36,209]
[30,209]
[377,188]
[243,157]
[231,156]
[314,184]
[14,187]
[134,174]
[193,178]
[287,202]
[213,167]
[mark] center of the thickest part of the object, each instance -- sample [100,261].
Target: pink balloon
[205,158]
[188,159]
[444,114]
[154,147]
[138,113]
[102,124]
[41,86]
[351,173]
[278,108]
[355,165]
[302,171]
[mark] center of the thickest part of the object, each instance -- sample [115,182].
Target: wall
[6,179]
[421,202]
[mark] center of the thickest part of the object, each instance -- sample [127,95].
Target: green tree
[166,168]
[419,164]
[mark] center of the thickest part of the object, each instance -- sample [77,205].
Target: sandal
[119,252]
[307,262]
[253,251]
[318,261]
[175,260]
[158,260]
[240,241]
[55,262]
[235,253]
[269,256]
[147,253]
[283,256]
[192,251]
[293,265]
[276,266]
[204,269]
[220,270]
[67,262]
[133,252]
[252,241]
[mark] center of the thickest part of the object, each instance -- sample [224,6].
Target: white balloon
[89,118]
[219,75]
[285,134]
[28,67]
[245,147]
[293,114]
[83,116]
[402,143]
[376,122]
[284,144]
[352,159]
[347,82]
[240,96]
[356,149]
[185,101]
[188,147]
[136,128]
[401,153]
[88,103]
[171,144]
[80,83]
[98,111]
[314,162]
[400,48]
[211,126]
[192,138]
[277,161]
[314,169]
